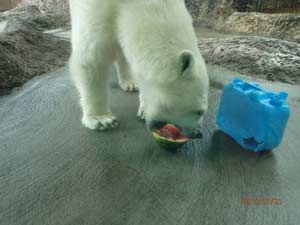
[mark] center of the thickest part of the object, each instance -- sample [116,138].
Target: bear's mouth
[158,125]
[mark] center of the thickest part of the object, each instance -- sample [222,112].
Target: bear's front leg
[126,80]
[90,74]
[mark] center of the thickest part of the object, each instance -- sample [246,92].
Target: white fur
[149,41]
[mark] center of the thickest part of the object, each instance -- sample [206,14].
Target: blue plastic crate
[254,117]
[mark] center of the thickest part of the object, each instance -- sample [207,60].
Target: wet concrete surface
[54,171]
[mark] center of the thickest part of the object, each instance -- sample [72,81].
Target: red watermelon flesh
[171,132]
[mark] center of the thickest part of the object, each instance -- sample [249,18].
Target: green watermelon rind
[167,143]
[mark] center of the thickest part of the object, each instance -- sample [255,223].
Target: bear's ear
[186,62]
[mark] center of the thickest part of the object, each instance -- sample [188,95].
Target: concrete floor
[54,171]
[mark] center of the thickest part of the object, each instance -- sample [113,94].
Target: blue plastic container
[254,117]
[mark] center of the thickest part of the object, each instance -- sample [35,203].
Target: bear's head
[178,94]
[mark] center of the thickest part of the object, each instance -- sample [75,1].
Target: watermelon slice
[169,137]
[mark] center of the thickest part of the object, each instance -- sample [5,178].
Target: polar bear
[153,45]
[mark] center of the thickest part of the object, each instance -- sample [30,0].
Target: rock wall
[214,7]
[267,6]
[5,5]
[20,10]
[237,16]
[198,8]
[209,12]
[282,26]
[51,6]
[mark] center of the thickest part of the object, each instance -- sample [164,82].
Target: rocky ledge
[25,50]
[260,57]
[25,54]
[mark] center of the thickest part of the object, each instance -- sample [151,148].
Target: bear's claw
[102,122]
[128,86]
[141,113]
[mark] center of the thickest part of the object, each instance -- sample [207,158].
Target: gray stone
[261,57]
